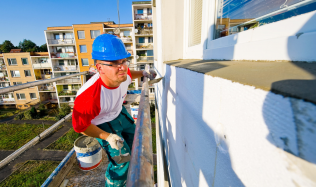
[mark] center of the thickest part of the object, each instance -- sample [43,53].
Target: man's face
[114,71]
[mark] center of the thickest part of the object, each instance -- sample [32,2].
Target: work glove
[151,74]
[113,139]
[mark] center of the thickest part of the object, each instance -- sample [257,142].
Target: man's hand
[112,139]
[151,75]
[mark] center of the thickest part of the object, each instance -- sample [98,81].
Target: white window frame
[84,36]
[93,35]
[10,63]
[82,61]
[18,96]
[13,73]
[16,83]
[27,61]
[27,71]
[33,97]
[81,50]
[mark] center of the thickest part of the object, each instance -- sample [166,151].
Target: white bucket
[134,110]
[89,153]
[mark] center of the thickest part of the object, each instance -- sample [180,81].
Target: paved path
[36,152]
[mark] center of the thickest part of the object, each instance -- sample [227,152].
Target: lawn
[4,113]
[32,173]
[66,142]
[14,136]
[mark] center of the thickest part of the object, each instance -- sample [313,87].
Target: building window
[94,33]
[12,61]
[20,96]
[126,33]
[142,67]
[83,48]
[59,49]
[149,11]
[24,61]
[141,40]
[150,39]
[140,11]
[150,53]
[27,73]
[61,62]
[237,16]
[81,35]
[85,62]
[149,25]
[56,36]
[69,49]
[128,46]
[15,73]
[71,62]
[152,90]
[33,95]
[17,83]
[195,22]
[65,87]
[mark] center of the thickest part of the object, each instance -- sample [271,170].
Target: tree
[6,46]
[43,48]
[28,46]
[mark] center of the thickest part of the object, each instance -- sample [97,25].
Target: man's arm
[96,132]
[136,74]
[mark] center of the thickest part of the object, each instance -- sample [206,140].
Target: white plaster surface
[221,133]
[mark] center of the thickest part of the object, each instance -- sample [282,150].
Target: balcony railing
[145,59]
[144,31]
[3,67]
[42,65]
[63,55]
[4,78]
[46,88]
[44,76]
[148,46]
[69,81]
[143,16]
[66,68]
[7,84]
[126,40]
[67,92]
[7,101]
[61,41]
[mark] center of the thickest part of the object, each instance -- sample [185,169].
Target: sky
[22,19]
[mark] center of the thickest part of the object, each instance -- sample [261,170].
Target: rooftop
[16,51]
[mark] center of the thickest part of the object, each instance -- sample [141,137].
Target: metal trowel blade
[155,80]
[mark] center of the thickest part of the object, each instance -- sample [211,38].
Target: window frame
[84,35]
[27,71]
[85,48]
[84,59]
[18,96]
[63,62]
[16,83]
[91,31]
[10,62]
[14,73]
[32,97]
[141,10]
[27,62]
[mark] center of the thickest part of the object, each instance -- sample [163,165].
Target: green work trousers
[124,127]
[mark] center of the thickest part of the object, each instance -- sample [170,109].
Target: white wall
[269,138]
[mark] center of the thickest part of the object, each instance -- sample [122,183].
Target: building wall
[22,78]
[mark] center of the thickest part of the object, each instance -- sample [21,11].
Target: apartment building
[19,70]
[143,44]
[6,100]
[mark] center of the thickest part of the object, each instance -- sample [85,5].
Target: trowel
[155,80]
[122,158]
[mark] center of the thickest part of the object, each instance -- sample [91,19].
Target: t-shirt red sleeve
[129,73]
[87,107]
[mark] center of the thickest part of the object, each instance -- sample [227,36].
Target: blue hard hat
[108,47]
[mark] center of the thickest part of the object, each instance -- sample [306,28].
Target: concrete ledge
[290,79]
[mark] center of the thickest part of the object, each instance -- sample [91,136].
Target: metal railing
[143,16]
[69,81]
[3,67]
[149,59]
[63,55]
[37,83]
[61,41]
[4,78]
[66,68]
[144,31]
[147,46]
[42,65]
[126,40]
[140,172]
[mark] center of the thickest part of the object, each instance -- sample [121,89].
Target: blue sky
[22,19]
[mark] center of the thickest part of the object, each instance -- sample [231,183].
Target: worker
[98,110]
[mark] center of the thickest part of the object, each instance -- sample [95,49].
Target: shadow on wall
[197,155]
[298,135]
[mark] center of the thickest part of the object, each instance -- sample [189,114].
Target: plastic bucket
[89,153]
[134,111]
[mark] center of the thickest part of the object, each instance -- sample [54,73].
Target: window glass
[150,39]
[69,49]
[27,73]
[94,33]
[33,95]
[141,40]
[59,49]
[65,87]
[150,53]
[61,62]
[15,73]
[71,62]
[140,11]
[17,83]
[235,16]
[68,35]
[149,11]
[24,61]
[56,36]
[85,62]
[20,96]
[12,61]
[195,22]
[126,33]
[81,35]
[83,48]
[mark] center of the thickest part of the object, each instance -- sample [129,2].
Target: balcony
[42,65]
[145,59]
[61,41]
[66,68]
[4,101]
[44,76]
[46,88]
[3,67]
[63,55]
[4,84]
[144,31]
[143,17]
[67,93]
[70,81]
[126,40]
[4,79]
[144,46]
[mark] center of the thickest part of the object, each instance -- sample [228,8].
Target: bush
[33,113]
[28,115]
[19,116]
[42,110]
[64,110]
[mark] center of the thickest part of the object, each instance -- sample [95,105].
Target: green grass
[14,136]
[4,113]
[66,142]
[32,173]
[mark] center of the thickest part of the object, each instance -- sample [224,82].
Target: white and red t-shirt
[97,103]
